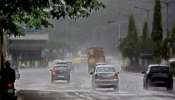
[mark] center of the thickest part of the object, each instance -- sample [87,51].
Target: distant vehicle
[159,76]
[95,55]
[171,63]
[100,64]
[105,76]
[60,71]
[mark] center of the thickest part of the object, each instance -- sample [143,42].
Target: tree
[145,33]
[132,31]
[157,23]
[173,32]
[129,45]
[157,31]
[18,14]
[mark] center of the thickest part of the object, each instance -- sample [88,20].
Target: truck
[95,55]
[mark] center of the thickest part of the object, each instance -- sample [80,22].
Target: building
[28,50]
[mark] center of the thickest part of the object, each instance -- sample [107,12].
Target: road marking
[83,96]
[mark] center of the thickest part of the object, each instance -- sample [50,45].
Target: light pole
[167,4]
[2,53]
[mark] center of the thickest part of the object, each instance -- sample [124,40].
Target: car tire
[146,84]
[93,85]
[52,80]
[68,79]
[116,88]
[170,87]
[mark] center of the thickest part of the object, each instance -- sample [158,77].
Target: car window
[105,69]
[159,69]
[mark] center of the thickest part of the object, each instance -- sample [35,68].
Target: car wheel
[68,79]
[170,87]
[52,80]
[93,85]
[116,88]
[146,84]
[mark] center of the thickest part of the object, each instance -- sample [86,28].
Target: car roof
[171,60]
[104,66]
[101,63]
[153,65]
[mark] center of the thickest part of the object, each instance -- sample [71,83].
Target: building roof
[31,37]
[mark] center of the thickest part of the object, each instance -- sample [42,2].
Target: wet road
[35,84]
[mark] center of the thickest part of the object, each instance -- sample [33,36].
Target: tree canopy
[145,33]
[128,46]
[36,13]
[157,23]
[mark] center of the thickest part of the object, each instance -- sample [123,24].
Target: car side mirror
[91,73]
[143,72]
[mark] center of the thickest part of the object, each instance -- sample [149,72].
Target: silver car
[105,76]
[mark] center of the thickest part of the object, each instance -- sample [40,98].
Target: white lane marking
[83,96]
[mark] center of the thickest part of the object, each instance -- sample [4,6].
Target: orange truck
[95,55]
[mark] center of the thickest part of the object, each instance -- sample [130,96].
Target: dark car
[60,71]
[158,76]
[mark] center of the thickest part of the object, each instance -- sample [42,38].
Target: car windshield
[159,69]
[105,69]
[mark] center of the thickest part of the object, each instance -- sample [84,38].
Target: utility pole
[167,4]
[119,33]
[2,52]
[1,46]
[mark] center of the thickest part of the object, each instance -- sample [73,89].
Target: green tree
[145,33]
[18,14]
[132,31]
[129,45]
[157,23]
[157,31]
[173,32]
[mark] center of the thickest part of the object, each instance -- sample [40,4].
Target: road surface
[35,84]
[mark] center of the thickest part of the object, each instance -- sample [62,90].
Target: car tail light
[10,85]
[115,76]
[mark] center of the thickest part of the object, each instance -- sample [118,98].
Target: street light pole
[2,50]
[167,4]
[119,33]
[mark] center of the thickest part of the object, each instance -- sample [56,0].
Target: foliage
[36,13]
[129,45]
[173,32]
[157,23]
[157,32]
[145,33]
[132,31]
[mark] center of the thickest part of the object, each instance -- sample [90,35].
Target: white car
[105,76]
